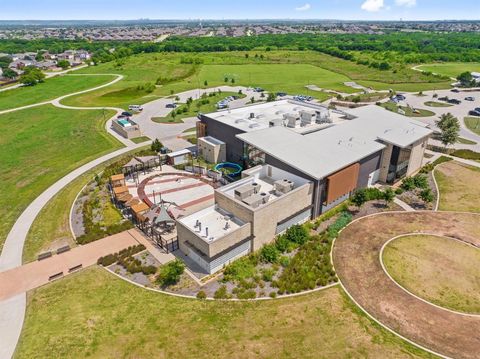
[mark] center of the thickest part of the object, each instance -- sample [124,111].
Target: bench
[44,255]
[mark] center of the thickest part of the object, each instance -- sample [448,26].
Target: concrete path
[35,274]
[404,205]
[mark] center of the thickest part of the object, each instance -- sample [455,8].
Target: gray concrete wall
[416,156]
[385,163]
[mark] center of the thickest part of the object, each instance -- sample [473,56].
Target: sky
[240,9]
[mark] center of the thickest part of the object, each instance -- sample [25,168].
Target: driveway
[356,257]
[460,111]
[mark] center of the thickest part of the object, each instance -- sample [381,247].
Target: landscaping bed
[410,112]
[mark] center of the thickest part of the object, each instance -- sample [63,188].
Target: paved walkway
[404,205]
[35,274]
[356,257]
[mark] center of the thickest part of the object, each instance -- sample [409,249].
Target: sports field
[39,146]
[94,314]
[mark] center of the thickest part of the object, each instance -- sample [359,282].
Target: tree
[64,64]
[450,129]
[9,73]
[31,76]
[426,195]
[252,99]
[466,79]
[170,273]
[156,145]
[232,81]
[388,196]
[225,79]
[271,97]
[359,198]
[205,83]
[5,61]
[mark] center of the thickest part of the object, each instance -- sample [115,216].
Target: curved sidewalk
[356,257]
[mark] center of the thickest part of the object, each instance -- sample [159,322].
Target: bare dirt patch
[441,270]
[356,259]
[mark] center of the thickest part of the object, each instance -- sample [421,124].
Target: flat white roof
[258,117]
[179,153]
[321,153]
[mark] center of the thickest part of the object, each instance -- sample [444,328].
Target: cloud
[305,7]
[373,5]
[407,3]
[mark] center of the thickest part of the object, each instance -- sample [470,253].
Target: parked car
[400,97]
[454,101]
[474,113]
[258,89]
[469,98]
[455,90]
[171,105]
[281,94]
[136,108]
[476,109]
[127,114]
[444,98]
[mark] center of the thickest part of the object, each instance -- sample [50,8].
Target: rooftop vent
[252,115]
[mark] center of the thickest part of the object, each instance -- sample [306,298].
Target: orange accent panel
[342,182]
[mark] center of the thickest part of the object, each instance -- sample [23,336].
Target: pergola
[131,167]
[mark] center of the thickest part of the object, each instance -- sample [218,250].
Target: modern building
[247,214]
[211,149]
[338,151]
[126,127]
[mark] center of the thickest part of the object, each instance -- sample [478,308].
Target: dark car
[127,114]
[474,113]
[444,98]
[171,105]
[258,89]
[281,94]
[400,97]
[454,101]
[455,90]
[469,98]
[476,109]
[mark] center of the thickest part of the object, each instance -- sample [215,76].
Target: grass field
[140,139]
[94,314]
[473,124]
[49,90]
[465,141]
[406,87]
[451,69]
[437,104]
[39,146]
[408,111]
[440,270]
[298,68]
[459,187]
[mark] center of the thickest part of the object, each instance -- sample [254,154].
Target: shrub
[344,219]
[297,234]
[282,243]
[408,184]
[429,167]
[267,274]
[241,268]
[201,295]
[284,261]
[221,293]
[269,253]
[420,181]
[273,294]
[245,294]
[107,260]
[426,195]
[170,273]
[147,270]
[398,191]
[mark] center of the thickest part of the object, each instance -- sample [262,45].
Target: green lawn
[451,69]
[465,141]
[437,104]
[49,90]
[94,314]
[292,71]
[205,104]
[473,124]
[440,270]
[40,145]
[408,111]
[140,139]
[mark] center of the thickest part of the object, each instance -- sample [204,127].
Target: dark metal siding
[226,134]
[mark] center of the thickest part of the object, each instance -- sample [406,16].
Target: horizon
[214,10]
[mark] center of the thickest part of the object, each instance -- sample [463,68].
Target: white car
[137,108]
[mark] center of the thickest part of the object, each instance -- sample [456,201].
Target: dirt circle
[356,257]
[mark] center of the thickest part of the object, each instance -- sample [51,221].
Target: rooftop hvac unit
[252,115]
[283,186]
[256,187]
[265,197]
